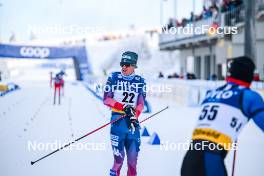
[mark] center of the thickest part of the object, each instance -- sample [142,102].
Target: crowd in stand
[208,12]
[175,75]
[192,76]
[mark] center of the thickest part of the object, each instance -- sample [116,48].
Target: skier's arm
[108,96]
[254,108]
[109,101]
[259,120]
[141,100]
[140,105]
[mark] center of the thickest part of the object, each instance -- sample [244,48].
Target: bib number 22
[128,97]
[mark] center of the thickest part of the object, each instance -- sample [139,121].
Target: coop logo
[34,52]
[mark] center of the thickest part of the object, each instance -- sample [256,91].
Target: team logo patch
[137,78]
[114,143]
[116,152]
[114,137]
[126,57]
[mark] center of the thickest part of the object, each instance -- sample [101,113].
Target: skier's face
[127,69]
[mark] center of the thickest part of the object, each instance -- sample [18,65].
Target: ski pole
[111,122]
[54,99]
[234,161]
[67,145]
[153,114]
[133,127]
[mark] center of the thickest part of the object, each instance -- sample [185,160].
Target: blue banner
[78,53]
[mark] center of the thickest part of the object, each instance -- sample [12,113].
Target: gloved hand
[131,117]
[134,122]
[129,111]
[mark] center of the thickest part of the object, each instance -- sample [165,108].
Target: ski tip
[32,162]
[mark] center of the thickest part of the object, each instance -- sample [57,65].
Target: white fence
[182,92]
[190,92]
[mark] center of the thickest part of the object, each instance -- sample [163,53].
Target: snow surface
[29,115]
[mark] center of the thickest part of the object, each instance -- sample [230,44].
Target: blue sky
[20,15]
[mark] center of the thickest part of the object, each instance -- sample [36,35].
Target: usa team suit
[121,90]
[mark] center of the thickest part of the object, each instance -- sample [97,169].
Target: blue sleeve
[253,107]
[144,88]
[108,92]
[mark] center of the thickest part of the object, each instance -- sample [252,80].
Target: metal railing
[234,16]
[224,19]
[260,5]
[188,31]
[229,18]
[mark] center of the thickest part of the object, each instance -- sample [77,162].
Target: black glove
[134,121]
[133,124]
[131,118]
[129,111]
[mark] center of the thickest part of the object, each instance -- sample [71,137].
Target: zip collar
[128,77]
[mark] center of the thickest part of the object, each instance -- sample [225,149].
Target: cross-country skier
[62,73]
[224,113]
[125,94]
[58,81]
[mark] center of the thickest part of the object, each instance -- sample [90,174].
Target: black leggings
[203,163]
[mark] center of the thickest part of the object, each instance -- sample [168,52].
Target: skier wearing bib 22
[125,94]
[224,113]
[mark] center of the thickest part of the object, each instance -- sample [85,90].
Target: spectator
[174,75]
[213,77]
[184,22]
[192,18]
[230,6]
[215,16]
[171,23]
[161,75]
[178,23]
[190,76]
[224,6]
[206,13]
[256,76]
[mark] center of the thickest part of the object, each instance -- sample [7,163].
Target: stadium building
[204,50]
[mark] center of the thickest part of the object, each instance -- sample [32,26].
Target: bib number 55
[209,112]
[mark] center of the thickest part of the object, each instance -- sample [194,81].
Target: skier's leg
[203,161]
[62,88]
[214,164]
[193,163]
[59,93]
[117,142]
[55,89]
[132,144]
